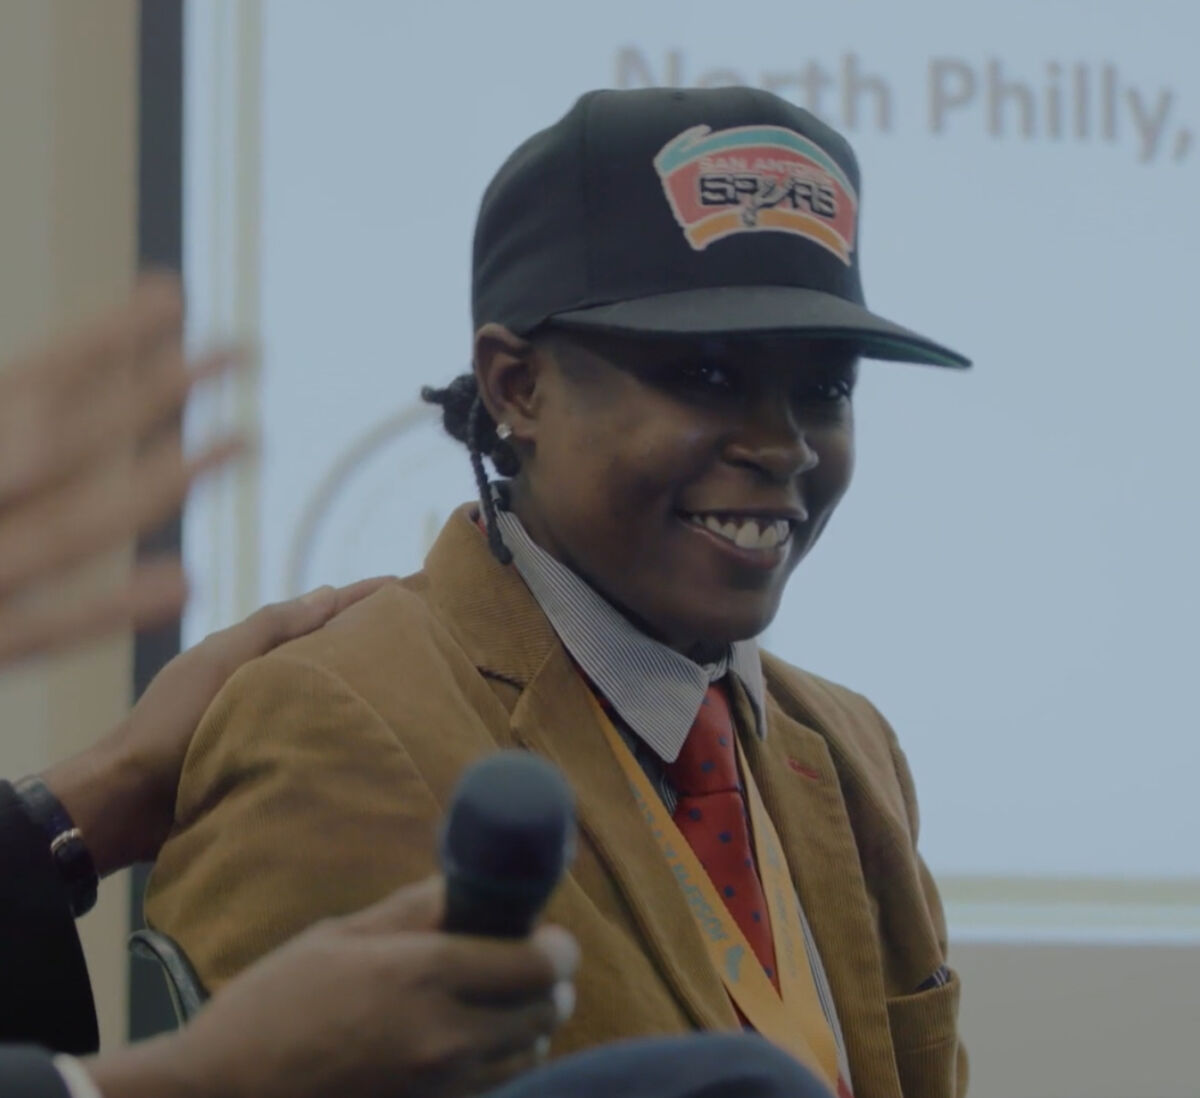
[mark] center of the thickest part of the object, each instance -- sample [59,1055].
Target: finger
[39,540]
[161,394]
[493,970]
[54,444]
[154,593]
[564,998]
[416,907]
[277,623]
[280,622]
[51,445]
[151,317]
[73,526]
[347,596]
[504,1033]
[559,947]
[157,303]
[476,970]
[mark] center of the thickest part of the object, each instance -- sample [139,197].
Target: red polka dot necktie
[711,815]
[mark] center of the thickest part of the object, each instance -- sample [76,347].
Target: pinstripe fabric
[655,691]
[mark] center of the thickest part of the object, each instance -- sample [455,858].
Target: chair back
[183,985]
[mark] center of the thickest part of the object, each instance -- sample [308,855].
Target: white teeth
[747,533]
[747,536]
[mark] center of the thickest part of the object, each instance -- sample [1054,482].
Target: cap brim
[763,310]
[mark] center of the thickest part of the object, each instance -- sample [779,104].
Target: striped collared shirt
[656,691]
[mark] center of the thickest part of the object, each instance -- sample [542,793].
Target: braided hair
[465,418]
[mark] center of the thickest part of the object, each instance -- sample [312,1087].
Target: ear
[507,372]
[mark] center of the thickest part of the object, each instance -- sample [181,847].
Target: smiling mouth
[744,532]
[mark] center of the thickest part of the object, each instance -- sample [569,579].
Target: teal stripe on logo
[690,145]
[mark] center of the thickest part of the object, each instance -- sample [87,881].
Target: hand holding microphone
[442,990]
[378,1004]
[509,836]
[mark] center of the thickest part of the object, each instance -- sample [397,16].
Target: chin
[726,629]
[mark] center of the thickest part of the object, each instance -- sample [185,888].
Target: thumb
[272,625]
[284,621]
[416,907]
[352,593]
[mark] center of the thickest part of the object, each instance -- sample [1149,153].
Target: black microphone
[509,835]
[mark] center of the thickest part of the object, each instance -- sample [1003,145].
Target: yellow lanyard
[791,1018]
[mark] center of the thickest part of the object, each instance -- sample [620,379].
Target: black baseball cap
[681,212]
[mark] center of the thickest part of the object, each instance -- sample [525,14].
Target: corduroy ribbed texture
[316,782]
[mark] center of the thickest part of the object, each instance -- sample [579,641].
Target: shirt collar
[655,690]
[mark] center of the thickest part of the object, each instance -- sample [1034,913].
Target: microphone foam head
[511,823]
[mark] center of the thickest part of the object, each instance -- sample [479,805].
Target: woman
[668,320]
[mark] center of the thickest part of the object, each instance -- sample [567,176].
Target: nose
[773,443]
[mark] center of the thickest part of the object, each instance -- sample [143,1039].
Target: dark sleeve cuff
[27,1072]
[47,996]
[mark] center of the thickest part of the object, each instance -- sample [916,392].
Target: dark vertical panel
[160,244]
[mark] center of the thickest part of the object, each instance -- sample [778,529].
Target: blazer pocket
[925,1040]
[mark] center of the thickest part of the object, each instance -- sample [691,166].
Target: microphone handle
[474,908]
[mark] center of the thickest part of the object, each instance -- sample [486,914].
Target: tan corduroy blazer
[317,779]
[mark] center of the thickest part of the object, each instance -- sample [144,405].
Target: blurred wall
[1080,1021]
[68,123]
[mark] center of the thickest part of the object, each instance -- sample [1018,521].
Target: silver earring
[503,432]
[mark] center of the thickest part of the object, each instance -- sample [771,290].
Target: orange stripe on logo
[729,222]
[713,228]
[806,225]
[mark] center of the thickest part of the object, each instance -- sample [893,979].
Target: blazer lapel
[485,604]
[556,718]
[802,792]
